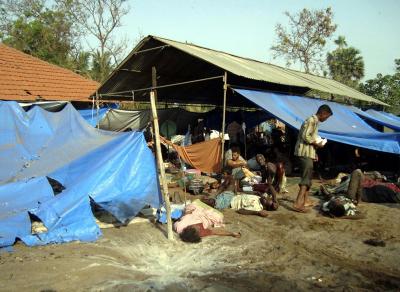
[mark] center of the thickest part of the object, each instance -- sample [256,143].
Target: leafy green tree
[43,33]
[81,63]
[304,41]
[55,30]
[102,65]
[341,42]
[385,88]
[345,64]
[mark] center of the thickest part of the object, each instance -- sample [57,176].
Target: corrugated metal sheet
[267,72]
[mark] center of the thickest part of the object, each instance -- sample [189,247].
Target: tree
[385,88]
[101,64]
[341,42]
[305,39]
[46,33]
[100,19]
[345,64]
[55,30]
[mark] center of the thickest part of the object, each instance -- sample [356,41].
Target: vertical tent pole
[160,160]
[154,82]
[97,110]
[225,79]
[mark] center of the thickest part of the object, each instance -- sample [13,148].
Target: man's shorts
[306,171]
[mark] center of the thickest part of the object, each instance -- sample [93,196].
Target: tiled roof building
[26,78]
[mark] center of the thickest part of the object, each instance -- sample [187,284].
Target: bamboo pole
[225,79]
[161,166]
[154,83]
[156,128]
[97,110]
[119,93]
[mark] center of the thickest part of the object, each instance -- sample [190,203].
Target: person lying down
[371,187]
[341,207]
[200,220]
[245,204]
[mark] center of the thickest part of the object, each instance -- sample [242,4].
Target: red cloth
[262,187]
[204,156]
[369,183]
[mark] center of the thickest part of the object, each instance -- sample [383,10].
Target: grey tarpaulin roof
[179,62]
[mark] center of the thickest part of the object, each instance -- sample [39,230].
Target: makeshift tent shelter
[115,170]
[93,116]
[181,63]
[344,126]
[122,120]
[381,118]
[189,74]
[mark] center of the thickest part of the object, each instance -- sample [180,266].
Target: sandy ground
[285,251]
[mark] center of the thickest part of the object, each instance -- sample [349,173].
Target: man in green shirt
[305,150]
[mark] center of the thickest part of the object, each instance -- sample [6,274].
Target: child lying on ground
[199,221]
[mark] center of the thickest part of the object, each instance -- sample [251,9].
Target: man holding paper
[307,143]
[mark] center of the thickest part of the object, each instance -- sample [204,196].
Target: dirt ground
[285,251]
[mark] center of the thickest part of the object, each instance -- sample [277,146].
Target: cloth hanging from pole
[204,156]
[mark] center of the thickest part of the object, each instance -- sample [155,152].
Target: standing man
[305,150]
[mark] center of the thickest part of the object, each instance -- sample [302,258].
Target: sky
[247,28]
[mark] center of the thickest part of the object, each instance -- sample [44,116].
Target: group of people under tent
[251,187]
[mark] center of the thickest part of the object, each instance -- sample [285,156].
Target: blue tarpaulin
[344,126]
[115,170]
[382,118]
[92,117]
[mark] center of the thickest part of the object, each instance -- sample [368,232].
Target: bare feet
[263,213]
[236,234]
[310,204]
[299,209]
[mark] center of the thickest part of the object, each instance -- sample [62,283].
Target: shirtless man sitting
[234,161]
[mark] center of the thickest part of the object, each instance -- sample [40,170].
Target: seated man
[367,187]
[200,220]
[271,173]
[234,161]
[253,163]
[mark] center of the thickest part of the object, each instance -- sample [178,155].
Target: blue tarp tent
[92,117]
[115,170]
[344,126]
[382,118]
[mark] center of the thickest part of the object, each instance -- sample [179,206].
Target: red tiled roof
[23,77]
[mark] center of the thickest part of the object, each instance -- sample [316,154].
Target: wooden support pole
[154,82]
[161,166]
[97,110]
[160,161]
[225,79]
